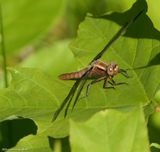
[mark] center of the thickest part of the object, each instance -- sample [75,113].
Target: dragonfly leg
[93,82]
[105,84]
[119,83]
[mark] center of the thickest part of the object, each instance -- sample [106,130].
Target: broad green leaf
[33,94]
[26,20]
[140,55]
[27,79]
[153,12]
[128,52]
[111,131]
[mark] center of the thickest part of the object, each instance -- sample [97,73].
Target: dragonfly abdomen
[73,75]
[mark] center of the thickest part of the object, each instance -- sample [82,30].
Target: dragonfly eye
[110,69]
[116,69]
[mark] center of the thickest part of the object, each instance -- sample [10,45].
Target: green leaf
[155,145]
[26,20]
[38,143]
[81,7]
[76,10]
[153,12]
[140,55]
[111,131]
[128,52]
[31,95]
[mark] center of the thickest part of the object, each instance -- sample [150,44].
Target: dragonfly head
[112,69]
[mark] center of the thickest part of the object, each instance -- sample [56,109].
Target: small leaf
[155,145]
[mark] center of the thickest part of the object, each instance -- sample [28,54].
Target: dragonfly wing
[83,80]
[120,32]
[69,101]
[70,95]
[79,92]
[68,98]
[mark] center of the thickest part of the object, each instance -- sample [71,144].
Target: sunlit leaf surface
[111,131]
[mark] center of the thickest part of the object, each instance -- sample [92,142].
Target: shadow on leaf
[13,130]
[144,26]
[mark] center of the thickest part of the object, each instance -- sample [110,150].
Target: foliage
[110,128]
[26,21]
[107,120]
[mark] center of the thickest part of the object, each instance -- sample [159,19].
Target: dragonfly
[97,70]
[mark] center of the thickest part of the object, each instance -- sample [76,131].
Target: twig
[4,62]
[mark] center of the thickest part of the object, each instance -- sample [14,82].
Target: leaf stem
[4,62]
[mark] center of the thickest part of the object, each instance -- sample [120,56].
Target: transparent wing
[120,32]
[71,94]
[80,88]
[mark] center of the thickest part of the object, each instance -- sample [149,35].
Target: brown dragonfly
[97,70]
[100,71]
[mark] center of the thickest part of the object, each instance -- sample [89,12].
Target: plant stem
[4,62]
